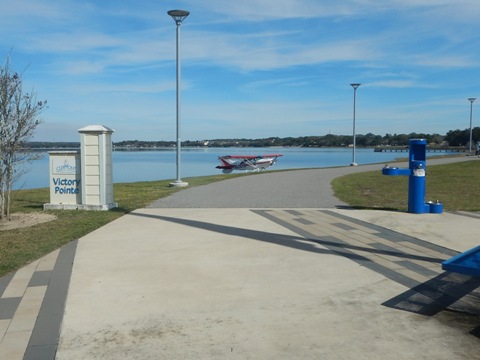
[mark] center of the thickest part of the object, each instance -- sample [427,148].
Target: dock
[444,149]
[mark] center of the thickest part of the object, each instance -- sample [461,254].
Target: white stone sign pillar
[83,180]
[96,167]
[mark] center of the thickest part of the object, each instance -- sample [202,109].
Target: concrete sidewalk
[278,281]
[272,284]
[310,188]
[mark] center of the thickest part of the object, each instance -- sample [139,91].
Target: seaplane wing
[246,162]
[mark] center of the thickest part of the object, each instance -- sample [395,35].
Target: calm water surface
[132,166]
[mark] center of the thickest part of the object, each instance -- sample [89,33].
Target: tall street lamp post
[355,86]
[178,16]
[471,112]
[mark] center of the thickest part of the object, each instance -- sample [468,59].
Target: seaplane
[246,162]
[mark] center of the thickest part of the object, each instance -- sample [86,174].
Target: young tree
[19,113]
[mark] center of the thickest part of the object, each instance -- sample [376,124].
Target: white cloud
[446,61]
[262,10]
[398,84]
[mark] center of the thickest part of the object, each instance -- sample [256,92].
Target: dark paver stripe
[46,332]
[8,306]
[4,281]
[344,226]
[40,278]
[304,221]
[417,268]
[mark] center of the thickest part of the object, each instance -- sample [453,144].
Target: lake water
[132,166]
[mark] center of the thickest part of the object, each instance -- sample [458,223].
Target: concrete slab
[14,344]
[27,311]
[229,283]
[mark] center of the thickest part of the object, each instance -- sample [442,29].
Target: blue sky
[250,68]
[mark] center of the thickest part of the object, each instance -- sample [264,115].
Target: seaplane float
[246,162]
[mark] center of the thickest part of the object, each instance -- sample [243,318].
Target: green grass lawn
[456,185]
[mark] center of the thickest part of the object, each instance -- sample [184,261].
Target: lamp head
[178,15]
[355,85]
[471,99]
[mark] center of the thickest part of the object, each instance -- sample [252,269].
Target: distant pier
[445,149]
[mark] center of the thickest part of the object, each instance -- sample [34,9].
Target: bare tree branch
[19,113]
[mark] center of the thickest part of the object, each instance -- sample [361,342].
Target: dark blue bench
[467,262]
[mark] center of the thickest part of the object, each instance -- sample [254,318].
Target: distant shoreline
[456,149]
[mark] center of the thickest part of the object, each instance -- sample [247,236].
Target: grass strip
[456,185]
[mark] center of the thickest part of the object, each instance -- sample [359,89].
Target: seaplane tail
[225,166]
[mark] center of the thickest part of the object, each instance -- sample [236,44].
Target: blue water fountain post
[417,166]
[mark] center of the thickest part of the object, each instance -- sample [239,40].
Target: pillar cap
[96,129]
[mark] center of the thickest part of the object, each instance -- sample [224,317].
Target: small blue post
[417,170]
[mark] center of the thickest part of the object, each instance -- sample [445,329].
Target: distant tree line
[40,145]
[452,138]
